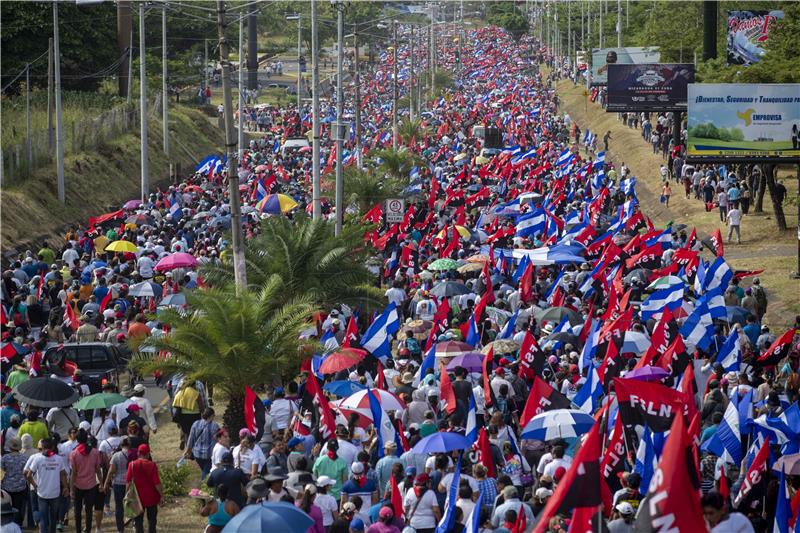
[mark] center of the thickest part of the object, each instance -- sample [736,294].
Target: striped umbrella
[276,204]
[557,424]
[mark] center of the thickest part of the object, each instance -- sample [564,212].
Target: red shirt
[144,474]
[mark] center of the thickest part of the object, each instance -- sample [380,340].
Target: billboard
[649,87]
[748,32]
[743,120]
[602,57]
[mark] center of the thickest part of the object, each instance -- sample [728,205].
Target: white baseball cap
[625,508]
[325,481]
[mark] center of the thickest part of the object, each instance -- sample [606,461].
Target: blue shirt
[752,331]
[100,293]
[5,416]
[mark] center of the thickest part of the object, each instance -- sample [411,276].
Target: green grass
[758,146]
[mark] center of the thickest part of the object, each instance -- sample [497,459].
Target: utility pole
[59,130]
[601,25]
[28,112]
[240,128]
[130,69]
[411,80]
[205,67]
[357,102]
[583,26]
[299,55]
[709,29]
[145,178]
[50,101]
[315,183]
[239,272]
[394,86]
[252,51]
[164,92]
[619,23]
[570,42]
[339,124]
[123,37]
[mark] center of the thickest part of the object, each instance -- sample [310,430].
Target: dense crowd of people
[526,293]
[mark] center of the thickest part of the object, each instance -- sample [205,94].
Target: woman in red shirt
[143,472]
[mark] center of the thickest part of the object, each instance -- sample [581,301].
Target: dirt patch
[763,246]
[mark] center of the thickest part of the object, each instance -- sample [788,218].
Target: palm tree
[230,340]
[366,188]
[409,130]
[309,260]
[396,163]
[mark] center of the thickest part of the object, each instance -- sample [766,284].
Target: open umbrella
[343,388]
[145,288]
[478,258]
[269,517]
[472,362]
[275,204]
[557,424]
[635,342]
[441,442]
[464,232]
[341,360]
[470,267]
[446,289]
[193,188]
[45,392]
[360,400]
[788,463]
[177,260]
[443,264]
[642,274]
[122,246]
[418,326]
[177,299]
[502,346]
[101,400]
[141,219]
[736,314]
[130,205]
[557,314]
[665,281]
[452,348]
[647,373]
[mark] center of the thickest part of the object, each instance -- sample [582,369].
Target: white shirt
[396,295]
[145,266]
[216,455]
[70,256]
[555,464]
[423,517]
[147,407]
[328,505]
[426,309]
[108,446]
[245,459]
[47,473]
[735,523]
[119,411]
[734,217]
[282,411]
[347,451]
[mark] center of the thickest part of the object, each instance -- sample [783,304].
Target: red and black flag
[716,242]
[613,463]
[581,485]
[254,413]
[779,349]
[531,358]
[672,502]
[542,398]
[753,487]
[643,403]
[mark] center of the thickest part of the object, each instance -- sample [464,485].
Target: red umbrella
[177,260]
[193,188]
[341,360]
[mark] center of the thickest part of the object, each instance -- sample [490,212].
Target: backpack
[501,405]
[413,346]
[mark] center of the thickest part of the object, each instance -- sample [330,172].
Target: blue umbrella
[441,442]
[343,388]
[557,424]
[272,517]
[177,299]
[736,314]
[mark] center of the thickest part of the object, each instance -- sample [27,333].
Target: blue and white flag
[730,355]
[449,517]
[669,297]
[414,172]
[646,458]
[719,274]
[587,399]
[531,223]
[328,340]
[565,158]
[627,186]
[782,428]
[590,347]
[175,211]
[600,161]
[726,443]
[700,277]
[206,164]
[377,338]
[715,302]
[383,424]
[510,327]
[520,270]
[471,426]
[428,362]
[698,328]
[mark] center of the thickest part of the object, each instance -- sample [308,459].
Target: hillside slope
[100,180]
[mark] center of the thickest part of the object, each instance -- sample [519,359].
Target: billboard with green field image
[743,120]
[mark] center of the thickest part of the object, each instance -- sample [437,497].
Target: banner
[744,120]
[748,32]
[649,87]
[602,57]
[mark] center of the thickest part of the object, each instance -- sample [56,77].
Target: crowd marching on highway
[548,359]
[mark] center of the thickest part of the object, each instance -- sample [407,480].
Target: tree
[777,201]
[505,14]
[396,163]
[410,130]
[231,340]
[309,260]
[366,188]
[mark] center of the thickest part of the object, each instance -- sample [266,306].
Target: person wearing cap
[10,409]
[14,483]
[623,523]
[133,411]
[540,498]
[511,502]
[282,409]
[145,407]
[46,473]
[234,479]
[421,506]
[330,464]
[115,479]
[360,485]
[308,505]
[327,503]
[384,466]
[296,450]
[8,514]
[386,523]
[202,438]
[143,473]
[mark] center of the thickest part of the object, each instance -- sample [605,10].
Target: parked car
[100,362]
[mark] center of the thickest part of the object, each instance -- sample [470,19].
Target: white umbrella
[145,288]
[635,342]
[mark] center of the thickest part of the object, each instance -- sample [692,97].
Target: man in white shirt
[397,295]
[47,475]
[559,461]
[426,307]
[734,218]
[347,450]
[282,409]
[145,405]
[70,255]
[145,265]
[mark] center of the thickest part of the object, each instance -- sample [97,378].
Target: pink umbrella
[177,260]
[360,400]
[132,204]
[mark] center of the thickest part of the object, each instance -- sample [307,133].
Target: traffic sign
[395,210]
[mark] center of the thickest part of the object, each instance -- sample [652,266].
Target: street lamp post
[315,182]
[298,18]
[339,116]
